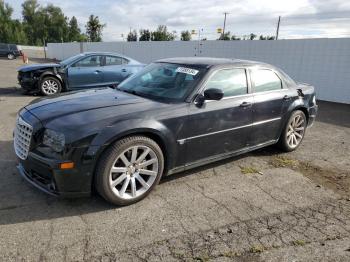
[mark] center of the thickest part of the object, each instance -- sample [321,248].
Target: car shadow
[20,202]
[333,113]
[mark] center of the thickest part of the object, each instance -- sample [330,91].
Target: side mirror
[213,94]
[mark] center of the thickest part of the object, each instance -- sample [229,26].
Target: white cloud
[300,18]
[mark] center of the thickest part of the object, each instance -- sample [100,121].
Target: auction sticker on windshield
[186,70]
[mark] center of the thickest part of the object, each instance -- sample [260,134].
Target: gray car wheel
[10,56]
[50,86]
[129,170]
[294,131]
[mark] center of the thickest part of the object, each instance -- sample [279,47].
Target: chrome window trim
[182,141]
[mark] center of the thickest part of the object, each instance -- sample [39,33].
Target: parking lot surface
[262,206]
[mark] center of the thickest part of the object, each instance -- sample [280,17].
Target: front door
[86,73]
[220,127]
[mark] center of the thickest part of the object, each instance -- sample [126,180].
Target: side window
[90,61]
[232,82]
[113,60]
[266,80]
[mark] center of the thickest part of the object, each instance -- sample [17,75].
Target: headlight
[54,140]
[314,100]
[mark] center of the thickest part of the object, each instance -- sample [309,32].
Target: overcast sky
[300,18]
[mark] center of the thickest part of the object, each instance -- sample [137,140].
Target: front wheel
[50,86]
[294,131]
[129,170]
[10,56]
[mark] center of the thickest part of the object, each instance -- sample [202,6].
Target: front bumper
[27,83]
[45,175]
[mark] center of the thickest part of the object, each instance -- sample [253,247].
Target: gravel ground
[261,206]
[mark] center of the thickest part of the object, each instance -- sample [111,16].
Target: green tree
[262,37]
[31,22]
[74,30]
[185,36]
[252,36]
[162,34]
[132,36]
[94,29]
[226,36]
[233,37]
[145,35]
[11,31]
[55,24]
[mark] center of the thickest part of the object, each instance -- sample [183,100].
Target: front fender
[148,127]
[51,73]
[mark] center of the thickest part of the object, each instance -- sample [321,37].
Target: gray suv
[11,51]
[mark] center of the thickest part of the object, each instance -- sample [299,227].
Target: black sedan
[173,115]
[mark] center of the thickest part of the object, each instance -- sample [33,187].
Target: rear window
[266,80]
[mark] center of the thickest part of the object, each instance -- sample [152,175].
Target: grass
[249,170]
[283,161]
[257,249]
[202,258]
[299,242]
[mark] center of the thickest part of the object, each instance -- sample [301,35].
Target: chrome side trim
[182,141]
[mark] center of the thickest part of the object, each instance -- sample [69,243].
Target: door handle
[124,70]
[286,97]
[245,104]
[97,71]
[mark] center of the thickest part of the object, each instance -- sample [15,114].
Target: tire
[50,86]
[133,176]
[10,56]
[294,131]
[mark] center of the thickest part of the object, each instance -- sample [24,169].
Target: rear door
[115,69]
[270,97]
[86,73]
[220,127]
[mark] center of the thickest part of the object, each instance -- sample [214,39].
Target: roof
[211,61]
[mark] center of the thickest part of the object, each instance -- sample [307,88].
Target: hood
[27,68]
[47,109]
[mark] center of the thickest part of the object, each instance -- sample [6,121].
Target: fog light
[67,165]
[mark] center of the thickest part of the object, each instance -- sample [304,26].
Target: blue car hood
[27,68]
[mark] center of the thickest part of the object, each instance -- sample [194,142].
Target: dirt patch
[334,179]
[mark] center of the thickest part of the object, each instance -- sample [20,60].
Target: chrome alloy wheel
[50,87]
[295,131]
[133,172]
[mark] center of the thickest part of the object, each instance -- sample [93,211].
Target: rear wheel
[294,131]
[50,86]
[129,170]
[10,56]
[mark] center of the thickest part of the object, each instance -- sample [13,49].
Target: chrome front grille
[23,134]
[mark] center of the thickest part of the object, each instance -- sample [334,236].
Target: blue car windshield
[70,59]
[164,81]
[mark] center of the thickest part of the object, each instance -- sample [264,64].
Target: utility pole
[278,27]
[223,30]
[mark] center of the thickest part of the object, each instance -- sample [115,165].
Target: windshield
[70,59]
[164,81]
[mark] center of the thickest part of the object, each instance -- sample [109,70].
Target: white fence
[324,63]
[33,51]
